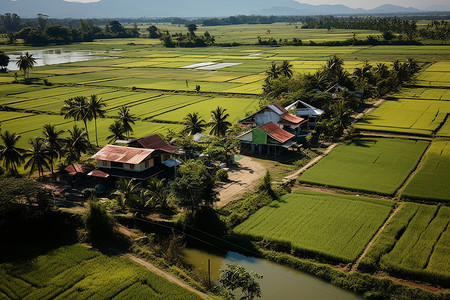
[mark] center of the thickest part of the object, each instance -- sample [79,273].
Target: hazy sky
[354,3]
[374,3]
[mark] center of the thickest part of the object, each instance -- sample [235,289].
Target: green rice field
[421,250]
[76,272]
[308,221]
[367,164]
[432,179]
[421,117]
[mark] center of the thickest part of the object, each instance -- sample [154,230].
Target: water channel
[53,57]
[279,282]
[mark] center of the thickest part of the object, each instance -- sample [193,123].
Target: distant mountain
[181,8]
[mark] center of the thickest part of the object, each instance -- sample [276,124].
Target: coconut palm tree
[117,132]
[26,62]
[158,193]
[76,144]
[52,138]
[381,70]
[194,123]
[125,191]
[37,156]
[77,108]
[274,71]
[218,122]
[363,73]
[95,110]
[286,69]
[126,119]
[10,154]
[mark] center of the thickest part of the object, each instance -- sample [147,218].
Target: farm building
[73,174]
[133,162]
[337,89]
[306,111]
[267,139]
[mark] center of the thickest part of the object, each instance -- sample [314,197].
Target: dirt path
[394,135]
[166,275]
[242,178]
[292,177]
[375,237]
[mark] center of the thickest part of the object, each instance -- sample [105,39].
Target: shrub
[222,175]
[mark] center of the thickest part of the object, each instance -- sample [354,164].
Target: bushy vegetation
[368,164]
[76,271]
[277,225]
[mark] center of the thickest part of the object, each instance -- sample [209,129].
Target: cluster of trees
[438,30]
[286,87]
[41,33]
[188,40]
[43,151]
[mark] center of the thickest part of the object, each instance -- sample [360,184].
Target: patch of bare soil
[413,284]
[243,177]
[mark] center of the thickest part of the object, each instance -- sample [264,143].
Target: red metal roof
[291,118]
[276,132]
[73,169]
[154,141]
[98,173]
[128,155]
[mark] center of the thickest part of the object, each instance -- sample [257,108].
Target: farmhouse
[133,162]
[267,139]
[306,111]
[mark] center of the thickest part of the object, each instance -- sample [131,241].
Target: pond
[53,57]
[279,282]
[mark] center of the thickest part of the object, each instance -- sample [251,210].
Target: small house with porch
[306,111]
[132,162]
[267,139]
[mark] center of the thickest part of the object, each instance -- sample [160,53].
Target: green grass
[334,226]
[406,116]
[76,272]
[425,94]
[368,164]
[432,179]
[421,251]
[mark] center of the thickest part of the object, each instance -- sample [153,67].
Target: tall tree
[4,60]
[126,119]
[77,108]
[194,123]
[219,122]
[273,72]
[38,156]
[286,69]
[95,110]
[191,28]
[26,62]
[10,154]
[54,141]
[76,144]
[117,132]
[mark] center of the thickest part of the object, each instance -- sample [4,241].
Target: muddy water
[52,57]
[279,282]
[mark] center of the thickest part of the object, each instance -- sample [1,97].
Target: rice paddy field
[76,272]
[432,179]
[415,244]
[334,226]
[375,165]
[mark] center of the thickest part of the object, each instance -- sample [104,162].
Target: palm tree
[126,119]
[54,142]
[158,193]
[95,110]
[76,144]
[194,123]
[77,108]
[116,129]
[125,190]
[381,70]
[26,62]
[218,122]
[363,73]
[37,156]
[274,71]
[286,69]
[9,152]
